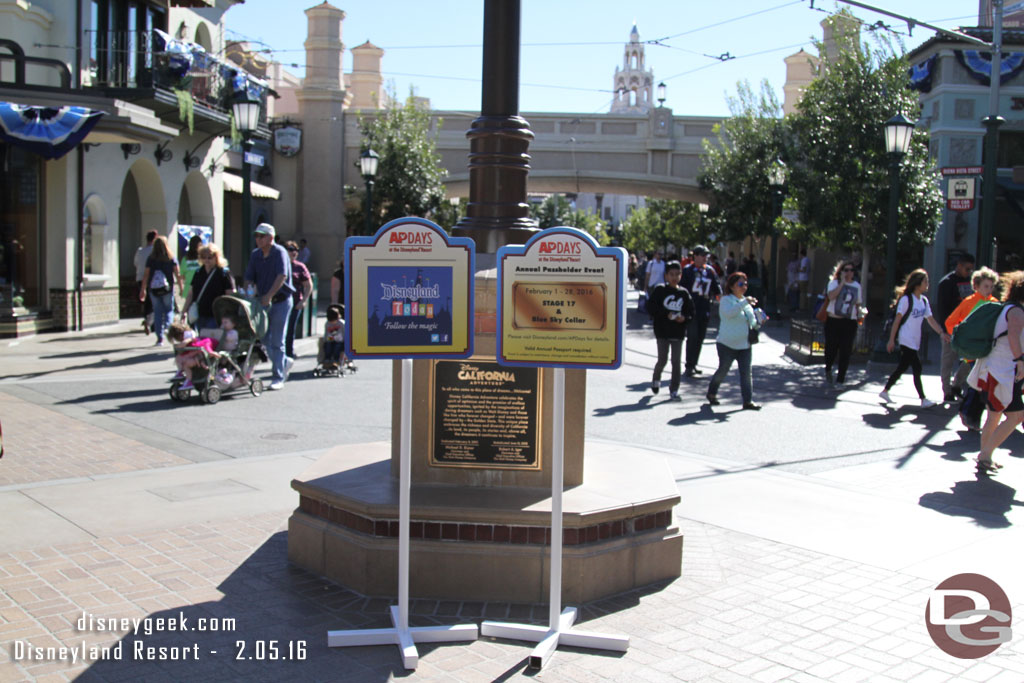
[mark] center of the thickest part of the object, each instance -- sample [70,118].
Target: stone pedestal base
[477,543]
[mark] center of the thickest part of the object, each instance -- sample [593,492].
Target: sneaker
[186,385]
[712,400]
[276,384]
[751,406]
[696,371]
[288,363]
[925,403]
[690,372]
[674,395]
[884,395]
[178,375]
[655,386]
[159,342]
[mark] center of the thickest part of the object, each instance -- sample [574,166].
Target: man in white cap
[270,270]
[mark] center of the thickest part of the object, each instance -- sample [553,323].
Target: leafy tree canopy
[556,210]
[666,224]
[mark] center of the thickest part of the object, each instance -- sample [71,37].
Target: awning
[233,183]
[50,132]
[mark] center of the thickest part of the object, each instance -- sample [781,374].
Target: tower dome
[633,83]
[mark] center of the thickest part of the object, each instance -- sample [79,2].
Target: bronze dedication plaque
[484,415]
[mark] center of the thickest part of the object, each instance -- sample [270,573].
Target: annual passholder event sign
[561,302]
[409,292]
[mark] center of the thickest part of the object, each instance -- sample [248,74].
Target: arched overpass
[657,155]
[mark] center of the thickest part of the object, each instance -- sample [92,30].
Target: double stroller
[231,371]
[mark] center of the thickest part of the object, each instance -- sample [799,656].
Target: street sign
[409,292]
[959,204]
[960,194]
[253,158]
[962,170]
[561,302]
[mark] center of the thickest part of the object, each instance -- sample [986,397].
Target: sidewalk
[793,572]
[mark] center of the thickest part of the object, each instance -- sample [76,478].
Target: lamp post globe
[368,162]
[661,94]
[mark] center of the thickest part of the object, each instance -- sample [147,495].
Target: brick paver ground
[43,445]
[745,609]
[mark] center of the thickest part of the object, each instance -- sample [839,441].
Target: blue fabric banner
[49,132]
[921,74]
[979,65]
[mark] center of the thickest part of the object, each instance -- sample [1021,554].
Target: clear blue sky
[570,48]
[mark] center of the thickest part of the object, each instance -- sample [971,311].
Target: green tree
[840,175]
[737,163]
[666,224]
[557,210]
[409,174]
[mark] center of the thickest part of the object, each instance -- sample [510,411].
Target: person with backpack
[983,282]
[912,309]
[999,375]
[158,281]
[844,301]
[671,307]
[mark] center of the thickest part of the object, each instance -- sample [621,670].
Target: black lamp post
[246,111]
[898,131]
[368,161]
[702,208]
[661,94]
[777,182]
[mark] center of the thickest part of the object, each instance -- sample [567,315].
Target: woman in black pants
[845,301]
[912,308]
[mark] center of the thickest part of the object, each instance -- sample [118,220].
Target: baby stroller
[232,370]
[330,368]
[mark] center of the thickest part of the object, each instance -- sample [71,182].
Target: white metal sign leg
[400,634]
[559,630]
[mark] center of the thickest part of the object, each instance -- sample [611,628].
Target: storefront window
[20,221]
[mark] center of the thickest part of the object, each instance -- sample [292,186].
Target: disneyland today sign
[561,302]
[409,292]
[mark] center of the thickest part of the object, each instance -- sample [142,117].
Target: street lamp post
[661,94]
[702,208]
[246,111]
[368,161]
[898,131]
[777,181]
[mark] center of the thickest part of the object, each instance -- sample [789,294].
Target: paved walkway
[786,575]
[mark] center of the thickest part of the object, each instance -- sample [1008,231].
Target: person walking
[302,283]
[670,307]
[803,278]
[952,289]
[912,309]
[844,301]
[736,311]
[701,281]
[983,281]
[655,273]
[191,263]
[999,376]
[141,256]
[158,279]
[213,279]
[270,272]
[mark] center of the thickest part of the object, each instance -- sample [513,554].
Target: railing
[152,59]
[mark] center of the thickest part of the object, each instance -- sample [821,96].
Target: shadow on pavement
[643,403]
[281,617]
[985,500]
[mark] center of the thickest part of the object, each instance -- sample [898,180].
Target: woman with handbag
[844,309]
[738,327]
[212,280]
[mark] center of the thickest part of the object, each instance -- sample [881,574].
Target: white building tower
[633,84]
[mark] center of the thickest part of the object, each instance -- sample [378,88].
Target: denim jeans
[664,346]
[274,338]
[696,330]
[726,355]
[163,311]
[333,351]
[289,338]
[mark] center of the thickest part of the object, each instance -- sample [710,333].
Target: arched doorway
[142,209]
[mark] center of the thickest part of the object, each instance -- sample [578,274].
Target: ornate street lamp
[898,131]
[661,94]
[246,111]
[368,161]
[777,176]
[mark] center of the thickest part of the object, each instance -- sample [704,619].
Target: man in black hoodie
[670,307]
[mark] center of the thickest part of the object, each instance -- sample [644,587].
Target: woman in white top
[912,308]
[999,376]
[845,306]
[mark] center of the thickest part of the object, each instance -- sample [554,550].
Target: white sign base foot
[549,639]
[405,639]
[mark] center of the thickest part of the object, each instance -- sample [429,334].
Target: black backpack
[891,318]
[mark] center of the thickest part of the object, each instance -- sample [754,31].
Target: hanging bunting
[48,131]
[921,74]
[179,53]
[979,65]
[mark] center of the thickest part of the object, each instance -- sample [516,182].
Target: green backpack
[975,336]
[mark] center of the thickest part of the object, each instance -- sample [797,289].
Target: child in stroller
[193,352]
[331,358]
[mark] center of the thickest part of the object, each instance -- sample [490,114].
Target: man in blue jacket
[701,281]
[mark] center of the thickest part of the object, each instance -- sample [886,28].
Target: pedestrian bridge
[657,155]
